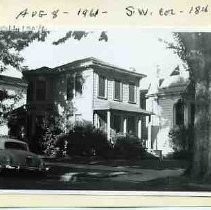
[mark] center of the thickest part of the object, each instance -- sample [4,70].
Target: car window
[15,145]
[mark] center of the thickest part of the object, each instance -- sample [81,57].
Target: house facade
[87,90]
[172,102]
[12,96]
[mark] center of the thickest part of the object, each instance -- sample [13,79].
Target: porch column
[108,125]
[186,115]
[149,133]
[139,128]
[125,125]
[96,124]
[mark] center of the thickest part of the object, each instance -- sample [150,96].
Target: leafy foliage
[44,139]
[103,36]
[7,104]
[78,35]
[84,140]
[191,47]
[12,42]
[197,52]
[181,139]
[129,147]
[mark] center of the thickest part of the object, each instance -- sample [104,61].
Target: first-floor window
[131,125]
[102,122]
[117,123]
[179,113]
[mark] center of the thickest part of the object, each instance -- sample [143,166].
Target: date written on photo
[129,11]
[165,12]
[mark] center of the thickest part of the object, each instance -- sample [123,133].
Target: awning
[121,107]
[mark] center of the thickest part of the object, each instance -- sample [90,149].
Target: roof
[122,107]
[12,81]
[4,139]
[176,82]
[83,64]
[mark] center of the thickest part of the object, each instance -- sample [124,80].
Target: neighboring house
[12,96]
[87,90]
[172,101]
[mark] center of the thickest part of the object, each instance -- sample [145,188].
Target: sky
[126,47]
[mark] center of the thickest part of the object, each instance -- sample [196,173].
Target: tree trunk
[201,131]
[201,164]
[197,53]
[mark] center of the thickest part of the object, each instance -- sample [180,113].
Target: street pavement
[67,176]
[126,173]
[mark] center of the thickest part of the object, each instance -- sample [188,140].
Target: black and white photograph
[111,109]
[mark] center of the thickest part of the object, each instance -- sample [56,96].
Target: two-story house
[87,90]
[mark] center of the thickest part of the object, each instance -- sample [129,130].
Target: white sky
[137,48]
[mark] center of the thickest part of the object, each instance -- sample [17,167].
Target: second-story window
[143,100]
[102,87]
[74,85]
[117,90]
[132,93]
[40,90]
[70,87]
[30,91]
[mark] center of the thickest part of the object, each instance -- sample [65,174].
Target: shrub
[44,140]
[181,139]
[85,140]
[129,147]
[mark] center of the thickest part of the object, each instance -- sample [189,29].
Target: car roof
[4,139]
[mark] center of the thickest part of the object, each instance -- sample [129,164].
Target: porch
[115,118]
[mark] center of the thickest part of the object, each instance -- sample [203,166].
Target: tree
[78,35]
[11,43]
[195,50]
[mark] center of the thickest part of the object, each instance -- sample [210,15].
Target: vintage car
[15,156]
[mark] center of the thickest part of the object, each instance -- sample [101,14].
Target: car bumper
[24,169]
